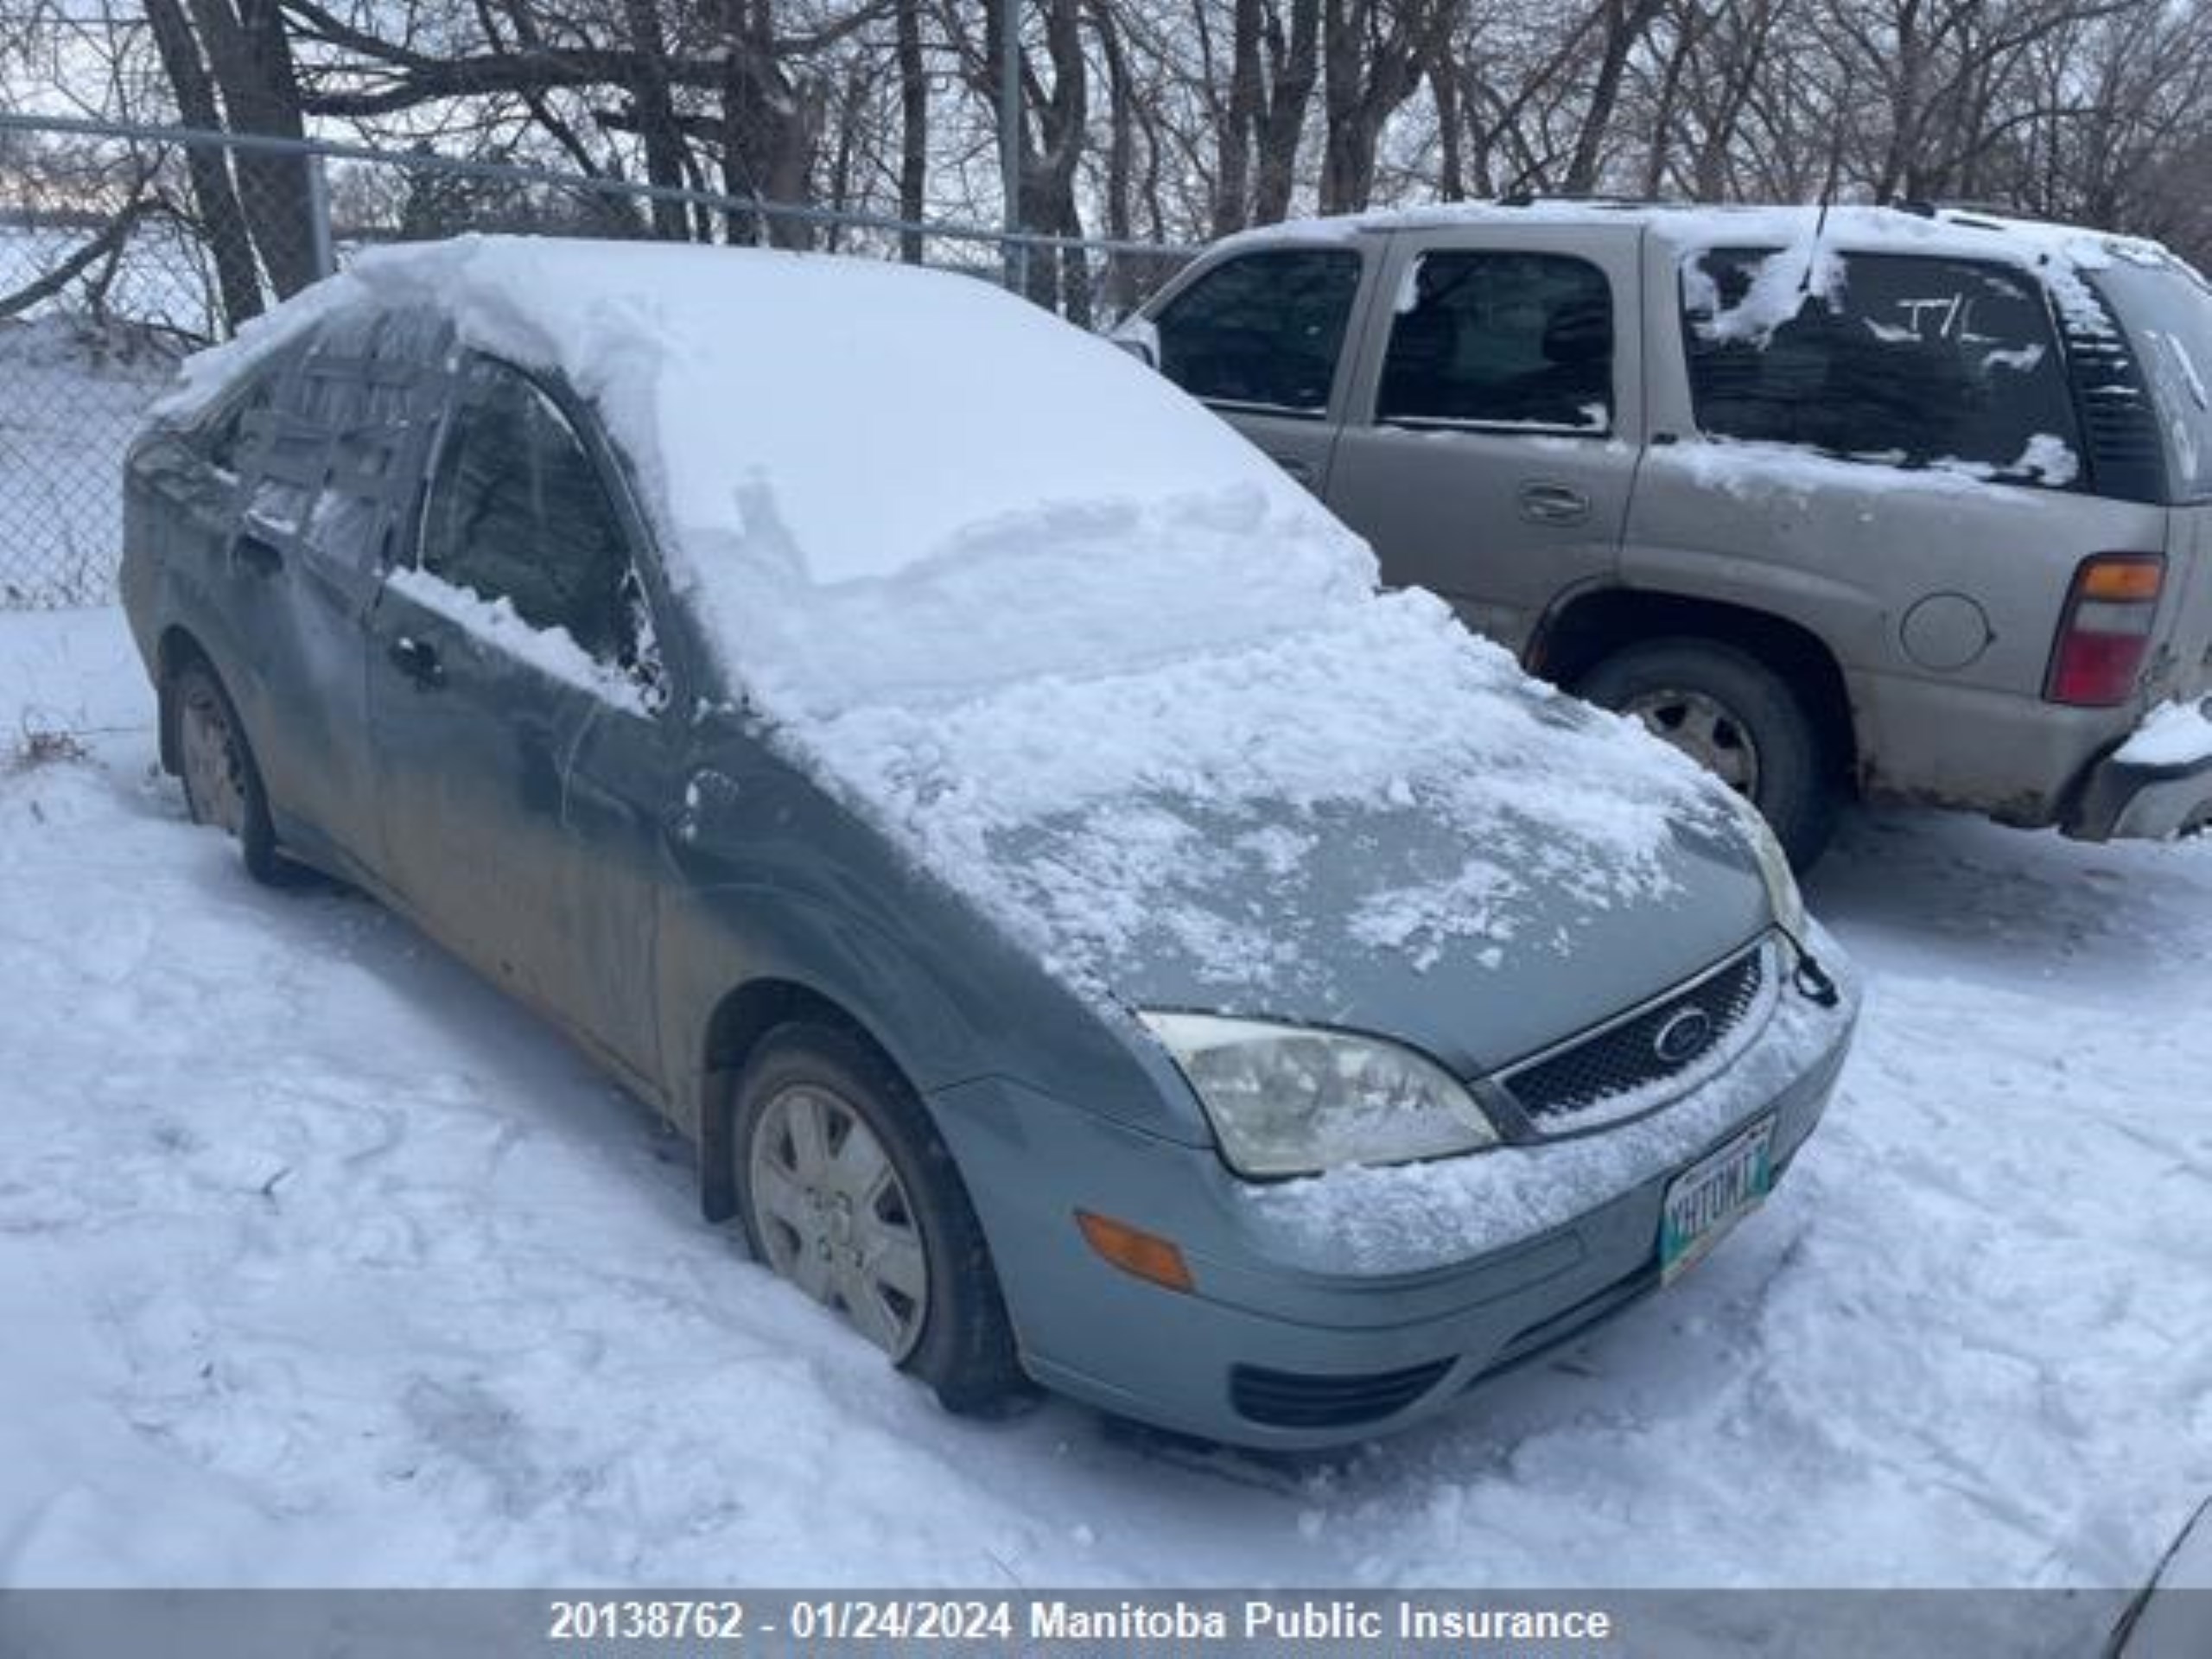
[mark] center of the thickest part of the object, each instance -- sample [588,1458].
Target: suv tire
[1739,719]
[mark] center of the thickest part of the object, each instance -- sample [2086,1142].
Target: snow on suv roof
[1957,231]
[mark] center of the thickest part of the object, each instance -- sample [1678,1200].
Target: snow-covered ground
[321,1263]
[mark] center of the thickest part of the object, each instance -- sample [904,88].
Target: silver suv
[1917,506]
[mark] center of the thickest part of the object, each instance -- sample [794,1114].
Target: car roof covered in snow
[892,408]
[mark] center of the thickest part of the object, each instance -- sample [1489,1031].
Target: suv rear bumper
[2122,801]
[2121,798]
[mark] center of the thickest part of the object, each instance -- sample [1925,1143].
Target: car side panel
[520,824]
[277,619]
[781,885]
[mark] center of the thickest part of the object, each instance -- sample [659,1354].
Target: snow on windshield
[1070,639]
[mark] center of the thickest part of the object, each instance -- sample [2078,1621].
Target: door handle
[251,552]
[1553,504]
[1298,466]
[417,660]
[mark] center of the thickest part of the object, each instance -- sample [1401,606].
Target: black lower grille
[1297,1400]
[1636,1051]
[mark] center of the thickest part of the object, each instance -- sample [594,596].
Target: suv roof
[1961,232]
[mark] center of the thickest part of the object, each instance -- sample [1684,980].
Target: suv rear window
[1517,340]
[2168,313]
[1898,358]
[1262,331]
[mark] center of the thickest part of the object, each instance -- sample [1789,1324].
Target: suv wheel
[846,1191]
[1740,721]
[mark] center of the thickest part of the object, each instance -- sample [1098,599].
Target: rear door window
[517,512]
[1897,358]
[1264,331]
[1518,341]
[330,440]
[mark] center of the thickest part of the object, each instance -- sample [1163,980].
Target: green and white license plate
[1712,1195]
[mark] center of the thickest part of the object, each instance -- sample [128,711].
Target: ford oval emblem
[1684,1036]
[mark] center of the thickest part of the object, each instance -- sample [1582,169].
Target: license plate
[1712,1195]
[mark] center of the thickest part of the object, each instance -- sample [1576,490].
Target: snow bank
[1054,626]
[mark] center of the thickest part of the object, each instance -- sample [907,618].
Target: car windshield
[2167,310]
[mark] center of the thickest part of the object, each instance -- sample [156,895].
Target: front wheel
[1740,721]
[846,1191]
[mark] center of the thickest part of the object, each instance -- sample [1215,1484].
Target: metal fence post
[319,243]
[1015,254]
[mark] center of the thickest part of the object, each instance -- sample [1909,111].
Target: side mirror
[1140,340]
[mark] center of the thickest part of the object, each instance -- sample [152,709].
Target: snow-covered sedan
[1090,933]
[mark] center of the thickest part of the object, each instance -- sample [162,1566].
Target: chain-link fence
[123,249]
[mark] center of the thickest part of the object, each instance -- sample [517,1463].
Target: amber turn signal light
[1134,1250]
[2123,576]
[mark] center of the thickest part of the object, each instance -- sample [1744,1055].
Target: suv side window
[1263,332]
[1902,359]
[1514,340]
[517,512]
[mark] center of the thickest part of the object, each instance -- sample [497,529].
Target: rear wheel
[1740,721]
[846,1191]
[222,783]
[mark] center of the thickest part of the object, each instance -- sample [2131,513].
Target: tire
[222,782]
[897,1249]
[1738,719]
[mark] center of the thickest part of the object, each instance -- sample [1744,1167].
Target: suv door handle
[417,661]
[1553,504]
[251,552]
[1298,466]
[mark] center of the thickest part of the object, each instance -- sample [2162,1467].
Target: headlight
[1788,905]
[1290,1100]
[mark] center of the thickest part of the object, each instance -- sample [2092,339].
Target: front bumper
[1304,1332]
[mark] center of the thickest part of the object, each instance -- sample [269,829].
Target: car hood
[1388,918]
[1378,823]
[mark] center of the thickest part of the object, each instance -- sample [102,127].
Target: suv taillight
[2105,630]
